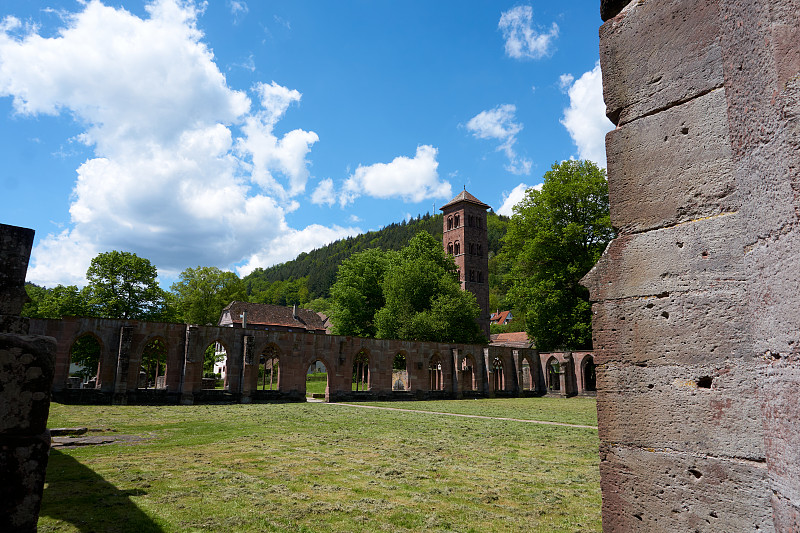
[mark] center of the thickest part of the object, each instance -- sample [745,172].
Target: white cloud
[522,40]
[324,193]
[510,199]
[238,9]
[411,179]
[564,81]
[585,119]
[173,177]
[498,124]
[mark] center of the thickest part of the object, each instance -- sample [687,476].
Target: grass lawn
[318,467]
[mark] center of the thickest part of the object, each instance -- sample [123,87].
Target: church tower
[466,239]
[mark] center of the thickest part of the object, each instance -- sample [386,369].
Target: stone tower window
[449,222]
[456,221]
[457,248]
[480,249]
[450,248]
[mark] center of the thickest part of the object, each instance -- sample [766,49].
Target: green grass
[317,467]
[316,383]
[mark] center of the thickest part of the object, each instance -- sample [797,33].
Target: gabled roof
[500,316]
[273,315]
[464,196]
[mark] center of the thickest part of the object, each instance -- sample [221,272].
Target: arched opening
[589,377]
[400,373]
[317,380]
[527,376]
[450,248]
[84,360]
[435,375]
[153,370]
[553,374]
[456,221]
[215,364]
[361,371]
[498,375]
[457,248]
[468,372]
[269,369]
[449,223]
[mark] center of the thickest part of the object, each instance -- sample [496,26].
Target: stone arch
[85,352]
[450,222]
[216,351]
[468,371]
[553,374]
[313,363]
[435,373]
[361,370]
[588,374]
[269,367]
[400,376]
[456,221]
[450,248]
[498,373]
[153,363]
[457,248]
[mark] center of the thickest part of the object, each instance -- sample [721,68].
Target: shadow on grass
[78,495]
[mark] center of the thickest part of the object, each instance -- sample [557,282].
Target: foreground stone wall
[26,375]
[697,313]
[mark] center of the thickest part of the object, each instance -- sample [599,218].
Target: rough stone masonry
[26,376]
[697,302]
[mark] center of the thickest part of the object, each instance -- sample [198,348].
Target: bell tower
[465,237]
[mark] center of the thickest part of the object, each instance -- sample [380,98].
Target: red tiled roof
[464,196]
[518,339]
[500,317]
[271,315]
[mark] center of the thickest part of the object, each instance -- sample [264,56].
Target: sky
[238,134]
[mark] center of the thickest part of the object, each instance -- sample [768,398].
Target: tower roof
[464,196]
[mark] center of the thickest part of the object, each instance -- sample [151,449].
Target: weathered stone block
[706,408]
[23,462]
[698,255]
[672,167]
[681,328]
[658,54]
[15,249]
[26,375]
[651,491]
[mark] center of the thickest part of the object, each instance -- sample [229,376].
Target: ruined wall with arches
[273,366]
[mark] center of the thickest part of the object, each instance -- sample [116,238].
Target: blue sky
[238,134]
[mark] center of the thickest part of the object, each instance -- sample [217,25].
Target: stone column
[27,365]
[458,385]
[123,365]
[697,307]
[192,367]
[249,367]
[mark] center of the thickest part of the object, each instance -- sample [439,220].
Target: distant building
[466,238]
[271,317]
[501,318]
[518,339]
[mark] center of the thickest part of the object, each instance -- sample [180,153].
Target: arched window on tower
[480,250]
[480,277]
[456,221]
[449,222]
[471,221]
[450,248]
[457,248]
[472,275]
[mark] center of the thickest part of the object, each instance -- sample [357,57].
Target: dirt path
[467,416]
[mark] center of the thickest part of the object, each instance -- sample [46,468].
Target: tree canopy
[201,293]
[554,238]
[410,295]
[123,285]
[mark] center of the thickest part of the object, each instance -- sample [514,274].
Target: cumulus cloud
[585,118]
[324,193]
[499,124]
[523,41]
[510,199]
[412,179]
[185,170]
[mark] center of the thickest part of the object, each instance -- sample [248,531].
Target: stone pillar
[123,366]
[697,301]
[192,367]
[27,365]
[458,385]
[249,374]
[488,374]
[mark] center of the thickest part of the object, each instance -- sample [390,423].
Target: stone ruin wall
[26,375]
[697,302]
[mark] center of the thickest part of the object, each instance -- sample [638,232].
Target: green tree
[424,300]
[60,301]
[357,293]
[123,285]
[201,293]
[554,238]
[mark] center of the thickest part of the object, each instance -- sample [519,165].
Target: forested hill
[319,266]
